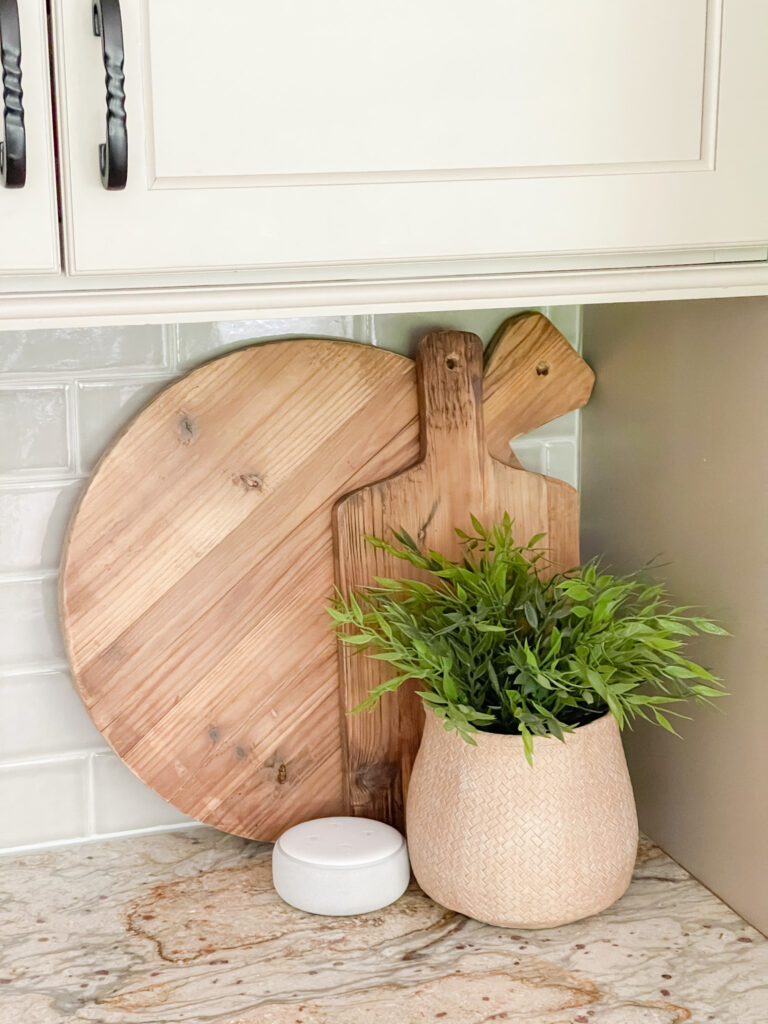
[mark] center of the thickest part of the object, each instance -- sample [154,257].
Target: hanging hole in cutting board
[451,363]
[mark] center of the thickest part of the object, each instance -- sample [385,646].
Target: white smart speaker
[340,866]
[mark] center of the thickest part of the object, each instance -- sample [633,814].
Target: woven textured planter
[511,845]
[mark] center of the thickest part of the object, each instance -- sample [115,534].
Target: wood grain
[200,561]
[455,477]
[532,376]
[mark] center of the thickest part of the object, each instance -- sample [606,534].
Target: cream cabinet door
[29,227]
[298,134]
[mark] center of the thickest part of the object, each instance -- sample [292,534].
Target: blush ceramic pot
[518,846]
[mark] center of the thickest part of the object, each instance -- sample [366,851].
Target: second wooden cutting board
[456,478]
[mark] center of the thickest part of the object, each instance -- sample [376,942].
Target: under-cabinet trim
[125,300]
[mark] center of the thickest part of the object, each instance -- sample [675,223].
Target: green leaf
[674,626]
[575,591]
[705,626]
[598,683]
[527,744]
[706,691]
[555,641]
[530,613]
[556,728]
[690,670]
[664,722]
[560,613]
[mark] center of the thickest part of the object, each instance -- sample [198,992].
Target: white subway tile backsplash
[33,521]
[30,634]
[34,430]
[198,342]
[563,426]
[43,802]
[64,396]
[42,714]
[121,801]
[567,319]
[104,408]
[562,462]
[83,348]
[531,457]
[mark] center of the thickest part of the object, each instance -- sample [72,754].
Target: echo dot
[340,866]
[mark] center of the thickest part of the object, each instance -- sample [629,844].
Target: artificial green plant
[501,645]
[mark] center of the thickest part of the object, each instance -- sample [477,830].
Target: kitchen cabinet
[353,134]
[28,213]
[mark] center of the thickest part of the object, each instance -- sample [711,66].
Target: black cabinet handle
[113,154]
[13,152]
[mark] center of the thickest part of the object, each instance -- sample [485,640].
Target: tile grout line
[43,760]
[60,378]
[34,668]
[53,844]
[27,575]
[172,338]
[48,475]
[22,668]
[46,760]
[371,330]
[536,442]
[90,797]
[75,420]
[18,483]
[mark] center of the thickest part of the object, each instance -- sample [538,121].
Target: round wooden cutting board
[200,562]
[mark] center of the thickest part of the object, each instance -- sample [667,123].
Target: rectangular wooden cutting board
[455,478]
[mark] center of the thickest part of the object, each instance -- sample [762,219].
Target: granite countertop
[185,927]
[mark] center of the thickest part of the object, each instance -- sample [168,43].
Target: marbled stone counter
[185,927]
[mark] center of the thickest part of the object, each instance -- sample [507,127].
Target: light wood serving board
[455,478]
[199,564]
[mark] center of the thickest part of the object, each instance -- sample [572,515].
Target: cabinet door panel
[294,134]
[343,90]
[29,236]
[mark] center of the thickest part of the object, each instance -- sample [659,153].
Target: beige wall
[675,463]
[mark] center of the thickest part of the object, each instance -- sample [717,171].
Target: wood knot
[282,774]
[251,481]
[374,777]
[187,429]
[542,369]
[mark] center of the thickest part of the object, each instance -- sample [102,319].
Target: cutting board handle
[449,369]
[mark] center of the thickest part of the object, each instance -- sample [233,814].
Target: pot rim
[489,738]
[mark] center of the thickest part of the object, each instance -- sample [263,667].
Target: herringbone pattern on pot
[516,846]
